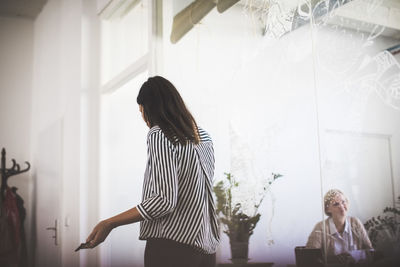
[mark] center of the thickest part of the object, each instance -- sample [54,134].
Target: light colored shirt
[343,242]
[177,201]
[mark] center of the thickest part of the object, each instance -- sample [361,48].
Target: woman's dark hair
[163,106]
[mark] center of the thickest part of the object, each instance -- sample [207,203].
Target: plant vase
[239,242]
[237,224]
[239,252]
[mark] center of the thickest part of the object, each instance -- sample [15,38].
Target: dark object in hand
[82,246]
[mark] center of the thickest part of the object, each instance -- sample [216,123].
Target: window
[124,40]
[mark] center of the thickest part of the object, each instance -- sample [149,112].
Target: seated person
[346,238]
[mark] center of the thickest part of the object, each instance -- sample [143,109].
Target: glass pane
[357,80]
[306,89]
[123,159]
[254,92]
[123,41]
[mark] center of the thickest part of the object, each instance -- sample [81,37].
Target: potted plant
[238,224]
[384,231]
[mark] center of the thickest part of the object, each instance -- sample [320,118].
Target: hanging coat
[10,229]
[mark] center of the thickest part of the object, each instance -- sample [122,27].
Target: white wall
[89,128]
[41,86]
[269,92]
[56,99]
[16,57]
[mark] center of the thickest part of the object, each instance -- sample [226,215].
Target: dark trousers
[168,253]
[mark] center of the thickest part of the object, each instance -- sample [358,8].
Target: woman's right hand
[99,233]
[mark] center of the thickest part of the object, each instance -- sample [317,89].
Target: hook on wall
[8,172]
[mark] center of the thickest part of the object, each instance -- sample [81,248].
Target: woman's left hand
[99,234]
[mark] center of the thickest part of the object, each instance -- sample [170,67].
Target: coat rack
[7,173]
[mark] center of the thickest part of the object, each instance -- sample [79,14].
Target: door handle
[55,229]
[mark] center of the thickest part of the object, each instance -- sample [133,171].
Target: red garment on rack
[10,208]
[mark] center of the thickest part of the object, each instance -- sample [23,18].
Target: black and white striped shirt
[177,201]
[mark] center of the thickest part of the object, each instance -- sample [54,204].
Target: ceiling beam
[386,14]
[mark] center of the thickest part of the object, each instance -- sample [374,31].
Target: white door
[48,177]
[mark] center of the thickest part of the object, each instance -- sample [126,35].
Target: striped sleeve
[162,185]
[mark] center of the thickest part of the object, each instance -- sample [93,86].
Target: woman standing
[177,212]
[346,239]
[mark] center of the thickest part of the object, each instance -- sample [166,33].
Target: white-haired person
[346,238]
